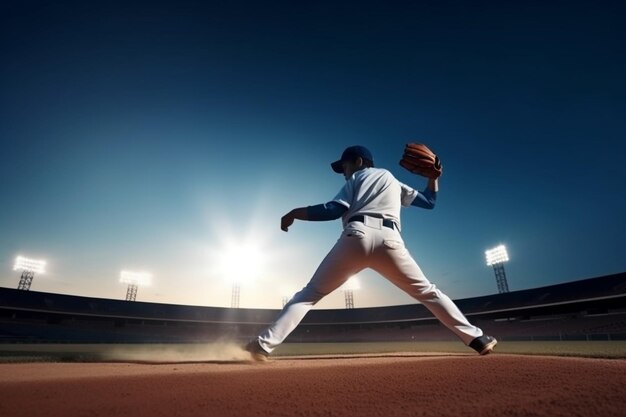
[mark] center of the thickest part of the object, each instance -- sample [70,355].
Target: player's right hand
[286,221]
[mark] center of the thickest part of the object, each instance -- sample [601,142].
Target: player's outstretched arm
[318,213]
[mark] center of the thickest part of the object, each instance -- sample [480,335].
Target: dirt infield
[409,384]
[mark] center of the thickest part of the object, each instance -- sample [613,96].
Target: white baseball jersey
[374,192]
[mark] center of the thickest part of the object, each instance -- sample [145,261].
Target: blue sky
[149,135]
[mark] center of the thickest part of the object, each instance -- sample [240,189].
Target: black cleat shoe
[483,344]
[257,353]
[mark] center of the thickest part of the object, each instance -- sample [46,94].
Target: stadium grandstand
[590,309]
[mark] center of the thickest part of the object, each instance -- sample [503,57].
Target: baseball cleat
[483,344]
[257,353]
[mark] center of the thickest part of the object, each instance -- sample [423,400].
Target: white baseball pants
[368,245]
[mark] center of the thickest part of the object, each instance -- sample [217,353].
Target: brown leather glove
[420,160]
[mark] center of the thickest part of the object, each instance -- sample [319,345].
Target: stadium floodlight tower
[134,280]
[348,288]
[29,268]
[235,295]
[496,257]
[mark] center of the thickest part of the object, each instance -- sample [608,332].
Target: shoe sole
[489,347]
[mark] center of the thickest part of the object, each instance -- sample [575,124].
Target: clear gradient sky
[148,136]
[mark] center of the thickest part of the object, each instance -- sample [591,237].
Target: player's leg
[393,261]
[344,260]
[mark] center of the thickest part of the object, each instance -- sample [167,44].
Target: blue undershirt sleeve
[425,199]
[322,212]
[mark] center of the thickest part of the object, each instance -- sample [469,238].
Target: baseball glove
[420,160]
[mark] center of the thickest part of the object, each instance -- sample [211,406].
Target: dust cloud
[202,352]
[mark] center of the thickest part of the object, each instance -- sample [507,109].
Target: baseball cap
[351,153]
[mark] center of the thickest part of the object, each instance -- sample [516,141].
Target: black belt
[386,222]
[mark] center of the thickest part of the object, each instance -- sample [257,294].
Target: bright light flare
[351,284]
[135,278]
[496,255]
[241,262]
[25,264]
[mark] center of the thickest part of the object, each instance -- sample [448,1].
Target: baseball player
[369,204]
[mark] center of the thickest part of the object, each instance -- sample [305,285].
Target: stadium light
[134,280]
[25,264]
[29,268]
[496,257]
[139,278]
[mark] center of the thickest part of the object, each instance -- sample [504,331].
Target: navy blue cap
[350,154]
